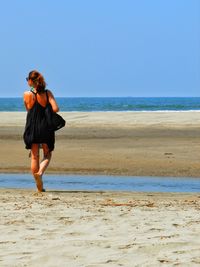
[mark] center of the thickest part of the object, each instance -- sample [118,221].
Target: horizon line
[109,96]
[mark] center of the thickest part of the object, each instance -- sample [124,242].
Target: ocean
[88,104]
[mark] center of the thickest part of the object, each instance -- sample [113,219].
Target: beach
[93,229]
[117,143]
[67,228]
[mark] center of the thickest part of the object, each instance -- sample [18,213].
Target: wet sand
[60,228]
[119,143]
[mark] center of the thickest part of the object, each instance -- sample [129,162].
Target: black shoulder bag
[54,120]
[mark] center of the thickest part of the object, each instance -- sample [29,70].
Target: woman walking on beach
[37,134]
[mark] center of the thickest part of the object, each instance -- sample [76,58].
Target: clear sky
[101,47]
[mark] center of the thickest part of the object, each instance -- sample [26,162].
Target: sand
[60,228]
[96,229]
[118,143]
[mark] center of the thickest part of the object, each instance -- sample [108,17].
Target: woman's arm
[27,102]
[52,101]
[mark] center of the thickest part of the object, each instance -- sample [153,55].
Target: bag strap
[46,91]
[35,94]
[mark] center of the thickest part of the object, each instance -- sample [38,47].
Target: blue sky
[102,48]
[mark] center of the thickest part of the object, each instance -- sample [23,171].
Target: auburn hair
[38,80]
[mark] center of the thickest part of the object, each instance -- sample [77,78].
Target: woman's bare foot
[39,183]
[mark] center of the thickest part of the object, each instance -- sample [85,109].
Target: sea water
[103,183]
[87,104]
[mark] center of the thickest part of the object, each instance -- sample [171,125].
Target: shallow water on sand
[103,183]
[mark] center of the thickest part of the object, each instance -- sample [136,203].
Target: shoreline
[32,192]
[92,172]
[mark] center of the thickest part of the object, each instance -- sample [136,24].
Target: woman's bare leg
[35,166]
[45,161]
[41,167]
[35,158]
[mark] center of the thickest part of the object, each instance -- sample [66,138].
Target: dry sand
[126,143]
[96,229]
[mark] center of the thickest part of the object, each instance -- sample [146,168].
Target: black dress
[36,128]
